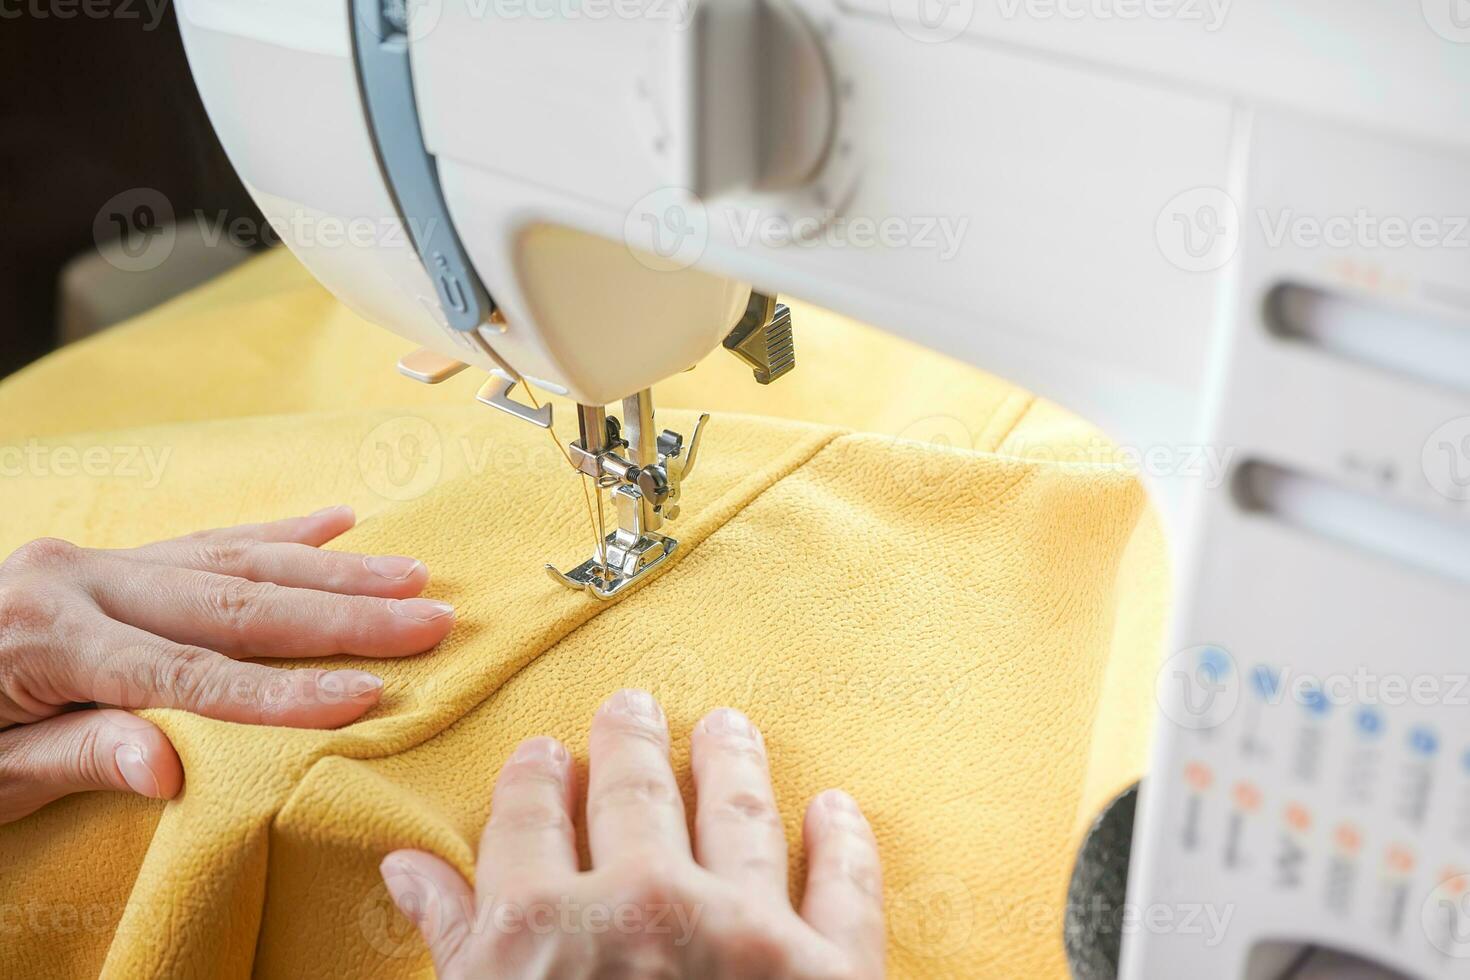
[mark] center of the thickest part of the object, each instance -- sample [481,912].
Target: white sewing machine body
[1033,194]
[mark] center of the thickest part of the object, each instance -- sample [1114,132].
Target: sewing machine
[1197,225]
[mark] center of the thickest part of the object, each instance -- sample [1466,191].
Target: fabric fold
[955,627]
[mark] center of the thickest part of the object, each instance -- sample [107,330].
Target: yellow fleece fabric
[899,568]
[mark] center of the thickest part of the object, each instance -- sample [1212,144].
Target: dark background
[90,106]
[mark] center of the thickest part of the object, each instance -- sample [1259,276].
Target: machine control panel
[1337,794]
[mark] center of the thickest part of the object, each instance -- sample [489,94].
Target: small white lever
[429,366]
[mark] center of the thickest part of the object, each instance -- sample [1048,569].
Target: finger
[140,670]
[315,529]
[844,885]
[434,897]
[84,750]
[633,802]
[299,566]
[737,828]
[260,619]
[530,836]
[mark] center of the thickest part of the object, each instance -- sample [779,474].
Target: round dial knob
[796,100]
[757,97]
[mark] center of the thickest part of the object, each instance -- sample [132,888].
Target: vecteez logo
[667,229]
[1198,688]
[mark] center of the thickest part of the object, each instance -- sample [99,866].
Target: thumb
[435,898]
[80,751]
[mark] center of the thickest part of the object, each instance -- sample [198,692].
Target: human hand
[649,907]
[163,626]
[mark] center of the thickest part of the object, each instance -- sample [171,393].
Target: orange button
[1247,797]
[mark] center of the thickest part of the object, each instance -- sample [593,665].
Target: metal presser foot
[644,473]
[642,468]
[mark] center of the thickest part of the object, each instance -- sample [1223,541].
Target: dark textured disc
[1093,929]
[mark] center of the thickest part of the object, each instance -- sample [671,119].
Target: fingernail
[540,749]
[405,886]
[392,567]
[728,721]
[635,704]
[334,509]
[354,683]
[423,610]
[133,765]
[836,801]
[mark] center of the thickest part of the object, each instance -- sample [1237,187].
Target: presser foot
[626,566]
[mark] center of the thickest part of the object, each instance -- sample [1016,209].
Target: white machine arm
[1201,225]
